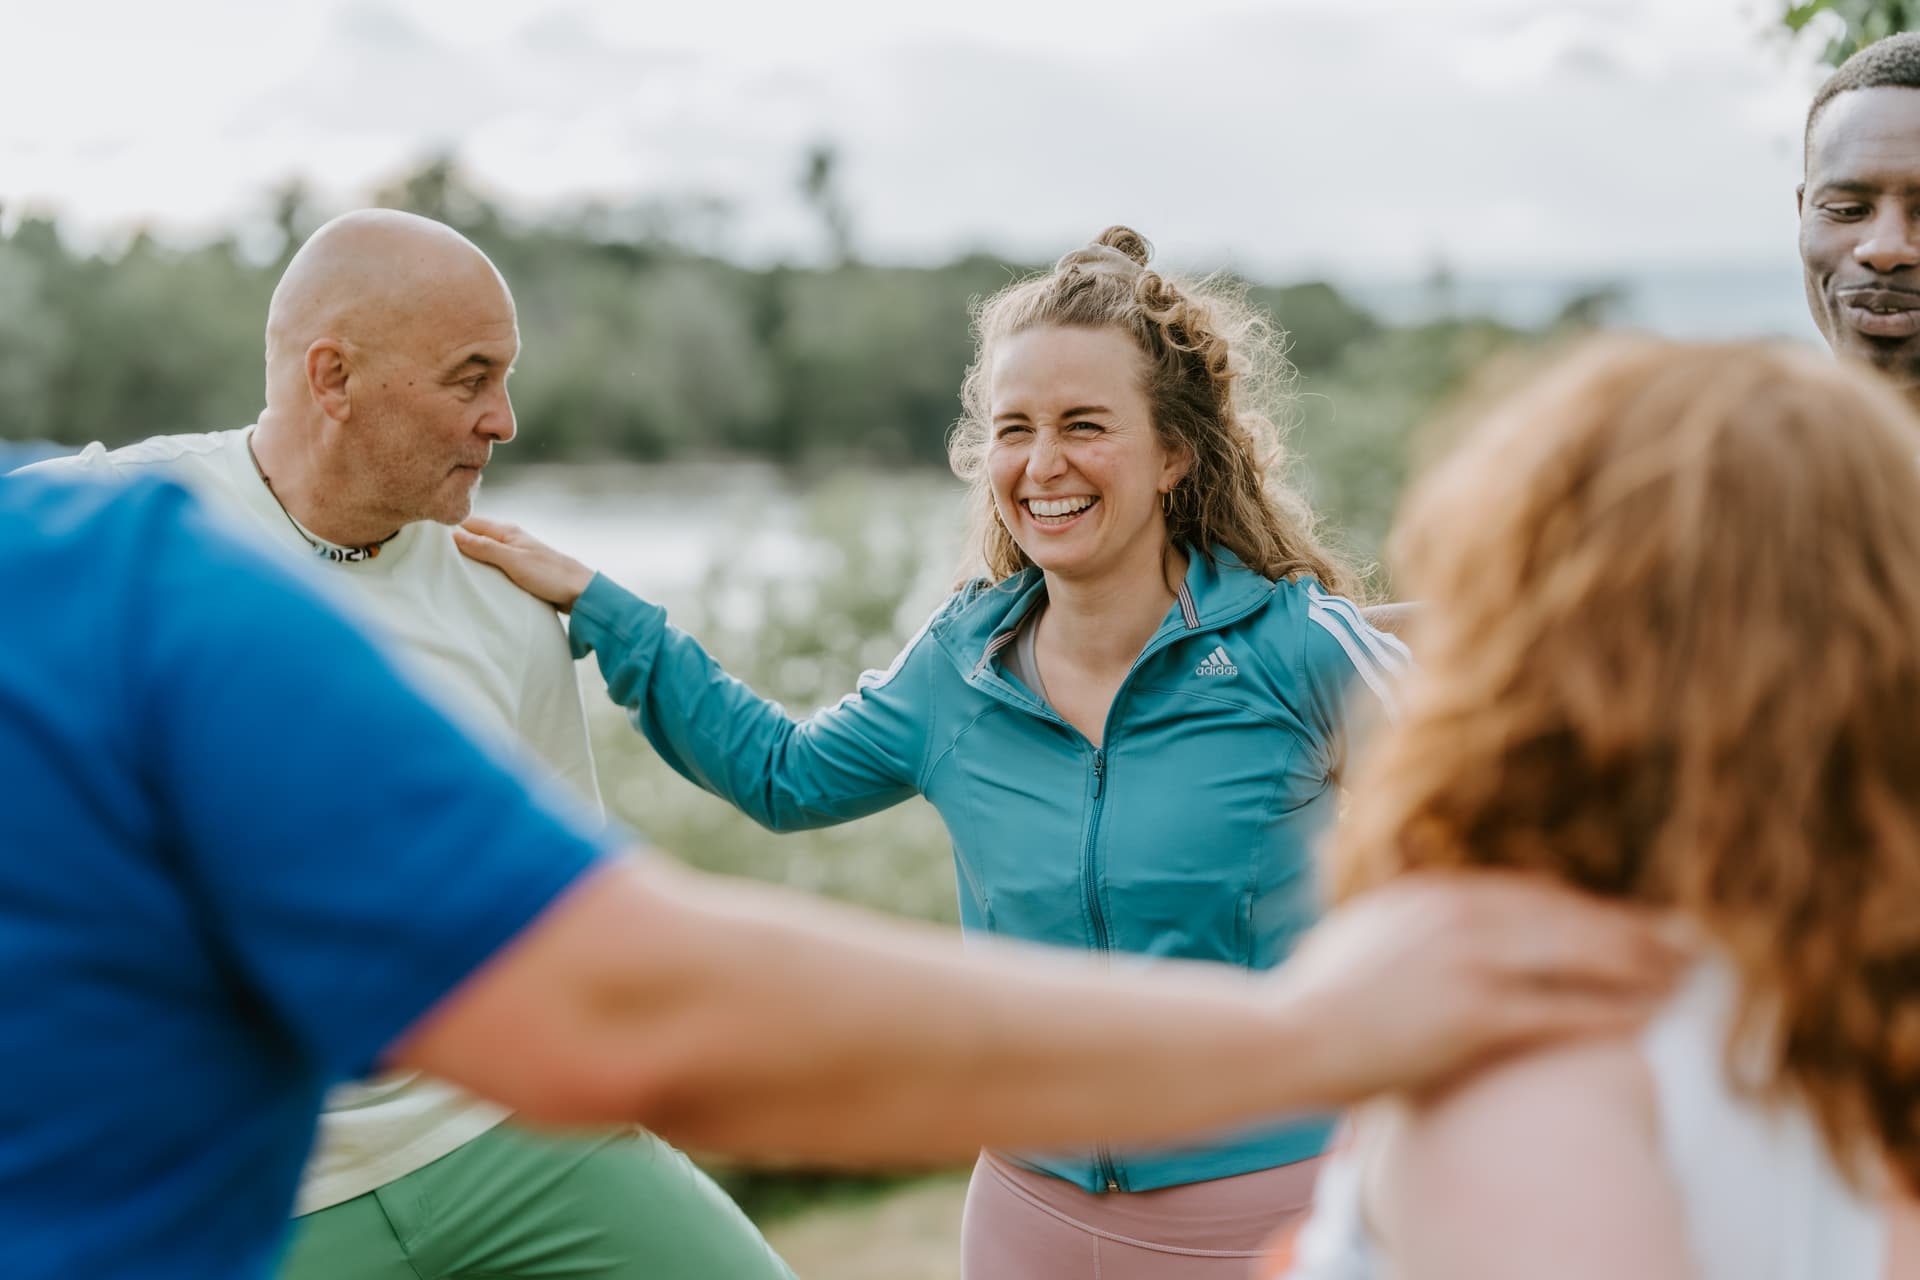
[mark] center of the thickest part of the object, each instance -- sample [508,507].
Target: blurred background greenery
[638,346]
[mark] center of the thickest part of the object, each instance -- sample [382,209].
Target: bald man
[389,341]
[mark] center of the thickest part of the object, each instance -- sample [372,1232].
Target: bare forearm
[805,1029]
[742,1018]
[739,1017]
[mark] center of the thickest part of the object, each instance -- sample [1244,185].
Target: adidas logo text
[1217,663]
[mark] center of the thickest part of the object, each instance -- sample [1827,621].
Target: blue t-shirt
[238,857]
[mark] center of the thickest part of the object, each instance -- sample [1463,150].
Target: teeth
[1058,506]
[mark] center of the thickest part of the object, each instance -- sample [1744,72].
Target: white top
[494,658]
[1760,1197]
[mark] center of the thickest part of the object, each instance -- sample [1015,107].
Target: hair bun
[1117,251]
[1127,241]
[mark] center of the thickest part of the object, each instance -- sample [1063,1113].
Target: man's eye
[476,382]
[1845,212]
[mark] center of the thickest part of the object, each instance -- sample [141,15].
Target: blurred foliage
[1855,23]
[880,558]
[639,344]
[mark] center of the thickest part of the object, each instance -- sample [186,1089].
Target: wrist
[1304,1038]
[573,583]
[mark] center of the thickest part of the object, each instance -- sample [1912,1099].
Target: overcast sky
[1357,137]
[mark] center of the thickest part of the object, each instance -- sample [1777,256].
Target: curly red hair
[1671,655]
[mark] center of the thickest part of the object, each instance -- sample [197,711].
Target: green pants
[512,1205]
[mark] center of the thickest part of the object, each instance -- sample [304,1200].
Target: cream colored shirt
[492,656]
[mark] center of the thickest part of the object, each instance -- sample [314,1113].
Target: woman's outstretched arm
[861,755]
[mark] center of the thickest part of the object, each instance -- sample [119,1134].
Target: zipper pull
[1099,771]
[1112,1185]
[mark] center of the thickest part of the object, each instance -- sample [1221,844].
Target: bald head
[389,340]
[373,279]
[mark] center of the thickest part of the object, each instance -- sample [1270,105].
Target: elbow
[785,821]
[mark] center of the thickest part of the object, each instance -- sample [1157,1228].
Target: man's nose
[1890,243]
[497,423]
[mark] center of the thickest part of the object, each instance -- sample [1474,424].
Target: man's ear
[330,379]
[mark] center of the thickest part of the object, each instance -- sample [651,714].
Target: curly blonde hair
[1671,655]
[1212,366]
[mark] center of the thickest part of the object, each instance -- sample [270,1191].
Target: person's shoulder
[119,537]
[1547,1163]
[951,638]
[974,597]
[975,608]
[504,610]
[1339,640]
[45,508]
[156,454]
[1529,1121]
[1299,611]
[1497,1104]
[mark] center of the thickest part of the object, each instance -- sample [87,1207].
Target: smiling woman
[1133,724]
[1190,371]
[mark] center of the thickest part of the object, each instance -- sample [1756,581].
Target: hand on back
[1432,974]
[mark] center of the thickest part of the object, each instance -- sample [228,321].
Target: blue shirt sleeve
[352,854]
[1351,672]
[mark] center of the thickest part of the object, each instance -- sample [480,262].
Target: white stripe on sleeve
[1392,653]
[1379,678]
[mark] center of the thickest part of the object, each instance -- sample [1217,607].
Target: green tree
[1862,22]
[440,189]
[1319,323]
[820,187]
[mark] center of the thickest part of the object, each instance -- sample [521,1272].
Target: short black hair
[1890,63]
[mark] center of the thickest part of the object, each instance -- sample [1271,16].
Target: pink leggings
[1021,1225]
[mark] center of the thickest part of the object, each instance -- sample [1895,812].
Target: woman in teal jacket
[1132,723]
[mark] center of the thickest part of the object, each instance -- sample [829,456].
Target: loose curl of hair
[1210,365]
[1671,654]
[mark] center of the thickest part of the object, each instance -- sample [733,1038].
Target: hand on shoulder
[533,566]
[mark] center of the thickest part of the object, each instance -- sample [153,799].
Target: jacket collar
[1217,588]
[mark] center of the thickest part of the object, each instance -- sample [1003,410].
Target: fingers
[476,545]
[1529,931]
[1526,1019]
[499,530]
[1544,934]
[1436,971]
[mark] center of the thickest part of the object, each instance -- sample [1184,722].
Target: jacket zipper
[1103,1155]
[1100,938]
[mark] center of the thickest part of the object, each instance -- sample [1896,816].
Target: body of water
[1761,300]
[669,531]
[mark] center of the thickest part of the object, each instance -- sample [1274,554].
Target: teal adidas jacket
[1188,833]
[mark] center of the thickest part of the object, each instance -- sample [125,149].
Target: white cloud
[1372,137]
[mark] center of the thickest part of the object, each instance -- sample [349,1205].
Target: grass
[911,1232]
